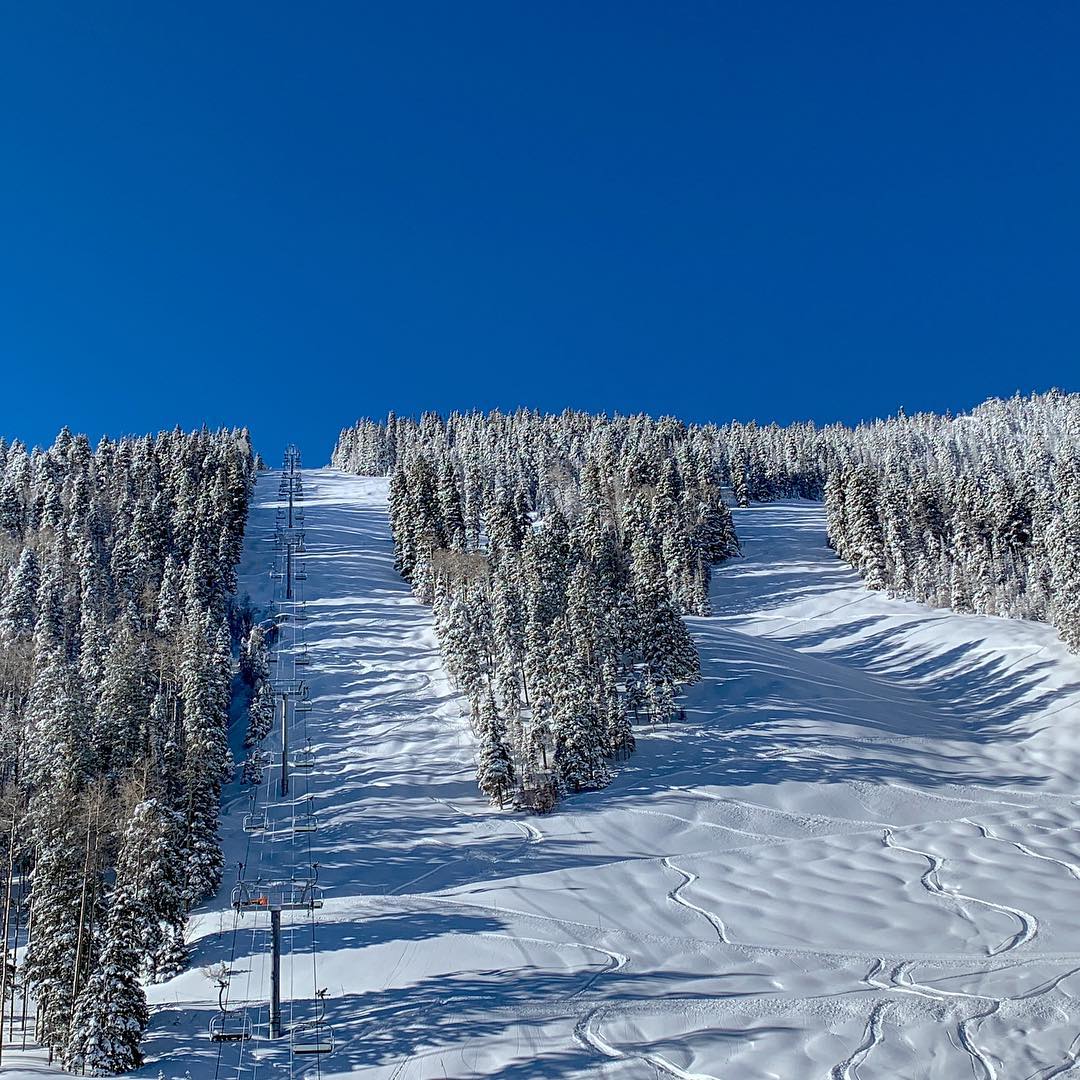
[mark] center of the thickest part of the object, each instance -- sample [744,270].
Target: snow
[856,858]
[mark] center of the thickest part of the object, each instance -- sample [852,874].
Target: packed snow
[856,857]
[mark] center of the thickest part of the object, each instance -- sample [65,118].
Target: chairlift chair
[305,823]
[302,707]
[255,822]
[228,1026]
[304,760]
[245,897]
[313,1036]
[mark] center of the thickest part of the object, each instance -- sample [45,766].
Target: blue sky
[292,215]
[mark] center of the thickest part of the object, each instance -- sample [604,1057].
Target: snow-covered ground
[856,858]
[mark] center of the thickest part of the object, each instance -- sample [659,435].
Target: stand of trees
[978,512]
[560,553]
[117,568]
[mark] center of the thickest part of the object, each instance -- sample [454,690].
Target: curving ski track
[676,896]
[1029,924]
[588,1034]
[848,1069]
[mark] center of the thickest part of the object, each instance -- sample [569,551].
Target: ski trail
[588,1035]
[616,960]
[676,895]
[1072,1057]
[902,980]
[1072,868]
[1029,925]
[532,834]
[980,1060]
[848,1069]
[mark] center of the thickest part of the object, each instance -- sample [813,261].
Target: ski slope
[856,858]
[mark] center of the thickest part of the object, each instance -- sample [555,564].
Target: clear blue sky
[290,215]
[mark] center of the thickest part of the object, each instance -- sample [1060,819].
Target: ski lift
[255,822]
[304,760]
[246,897]
[300,574]
[306,821]
[228,1026]
[302,659]
[314,1036]
[296,894]
[302,706]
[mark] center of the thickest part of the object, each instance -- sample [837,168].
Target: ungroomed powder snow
[856,857]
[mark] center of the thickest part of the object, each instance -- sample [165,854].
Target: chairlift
[304,760]
[301,894]
[313,1036]
[300,575]
[246,897]
[228,1026]
[302,707]
[296,894]
[255,822]
[302,659]
[306,821]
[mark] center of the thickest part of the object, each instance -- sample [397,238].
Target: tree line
[560,554]
[117,632]
[978,512]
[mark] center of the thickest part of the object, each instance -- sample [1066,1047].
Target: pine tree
[495,768]
[110,1014]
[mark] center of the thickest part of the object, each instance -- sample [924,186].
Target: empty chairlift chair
[313,1036]
[228,1026]
[304,760]
[304,819]
[255,822]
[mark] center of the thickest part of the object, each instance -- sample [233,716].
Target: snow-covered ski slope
[857,857]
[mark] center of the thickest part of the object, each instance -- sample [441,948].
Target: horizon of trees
[977,512]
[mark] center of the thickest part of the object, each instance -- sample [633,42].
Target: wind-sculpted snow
[857,857]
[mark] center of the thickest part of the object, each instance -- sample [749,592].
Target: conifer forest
[581,742]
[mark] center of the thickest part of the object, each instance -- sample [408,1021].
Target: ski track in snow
[826,715]
[676,896]
[1029,925]
[587,1032]
[982,1063]
[848,1069]
[1072,868]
